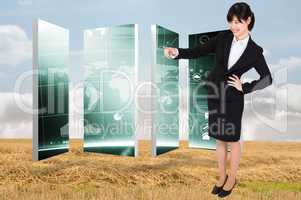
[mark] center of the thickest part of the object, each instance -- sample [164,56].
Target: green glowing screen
[110,56]
[199,69]
[50,90]
[165,76]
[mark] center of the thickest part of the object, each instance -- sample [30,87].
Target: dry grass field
[268,170]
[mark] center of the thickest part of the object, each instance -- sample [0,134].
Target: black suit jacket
[220,46]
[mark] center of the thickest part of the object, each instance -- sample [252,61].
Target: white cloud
[15,47]
[290,63]
[14,122]
[17,123]
[273,114]
[294,101]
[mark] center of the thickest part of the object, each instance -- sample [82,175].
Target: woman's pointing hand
[171,52]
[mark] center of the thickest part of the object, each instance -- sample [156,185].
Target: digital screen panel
[111,59]
[165,92]
[199,70]
[50,90]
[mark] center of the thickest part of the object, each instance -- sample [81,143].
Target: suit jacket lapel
[242,58]
[227,49]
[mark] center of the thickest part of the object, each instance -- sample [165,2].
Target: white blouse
[237,49]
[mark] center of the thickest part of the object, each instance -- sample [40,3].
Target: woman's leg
[235,158]
[221,150]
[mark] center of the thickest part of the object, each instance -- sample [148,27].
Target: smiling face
[238,28]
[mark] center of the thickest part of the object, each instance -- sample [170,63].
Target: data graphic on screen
[165,91]
[111,61]
[199,70]
[50,90]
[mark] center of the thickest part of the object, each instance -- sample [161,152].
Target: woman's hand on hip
[235,82]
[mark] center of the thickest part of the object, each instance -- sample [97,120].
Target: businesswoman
[235,53]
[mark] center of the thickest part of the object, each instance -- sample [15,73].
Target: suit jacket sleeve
[198,51]
[265,75]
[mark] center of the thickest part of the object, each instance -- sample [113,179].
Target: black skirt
[225,117]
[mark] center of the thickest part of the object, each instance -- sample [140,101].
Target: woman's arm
[198,51]
[265,76]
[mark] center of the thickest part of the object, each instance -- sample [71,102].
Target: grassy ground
[268,171]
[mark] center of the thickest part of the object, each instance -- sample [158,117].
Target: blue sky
[277,30]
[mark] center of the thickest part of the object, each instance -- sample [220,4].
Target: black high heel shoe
[217,189]
[223,193]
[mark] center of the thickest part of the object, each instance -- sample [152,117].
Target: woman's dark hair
[242,11]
